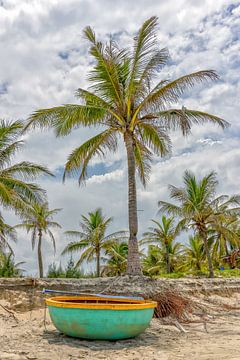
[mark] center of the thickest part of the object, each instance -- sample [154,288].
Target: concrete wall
[22,294]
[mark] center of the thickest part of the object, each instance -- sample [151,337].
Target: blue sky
[45,59]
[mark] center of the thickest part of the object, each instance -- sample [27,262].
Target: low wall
[23,294]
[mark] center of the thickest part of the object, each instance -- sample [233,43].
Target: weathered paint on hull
[100,318]
[100,324]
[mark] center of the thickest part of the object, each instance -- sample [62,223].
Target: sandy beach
[25,337]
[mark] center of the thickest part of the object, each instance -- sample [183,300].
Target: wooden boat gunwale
[85,303]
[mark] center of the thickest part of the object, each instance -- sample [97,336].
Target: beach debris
[173,308]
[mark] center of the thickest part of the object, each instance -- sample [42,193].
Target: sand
[26,338]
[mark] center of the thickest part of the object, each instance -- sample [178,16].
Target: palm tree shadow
[59,339]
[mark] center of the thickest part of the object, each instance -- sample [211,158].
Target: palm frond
[155,138]
[7,152]
[53,239]
[169,93]
[166,207]
[144,43]
[79,159]
[143,159]
[25,170]
[104,76]
[75,246]
[183,119]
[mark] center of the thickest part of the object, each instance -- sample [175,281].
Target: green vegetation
[71,271]
[127,100]
[8,267]
[16,192]
[92,239]
[38,220]
[199,209]
[198,232]
[166,250]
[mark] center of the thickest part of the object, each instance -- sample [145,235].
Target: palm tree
[92,238]
[38,220]
[198,208]
[8,267]
[7,233]
[164,235]
[155,261]
[225,232]
[117,259]
[195,253]
[15,192]
[125,102]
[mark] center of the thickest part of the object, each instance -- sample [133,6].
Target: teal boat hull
[101,323]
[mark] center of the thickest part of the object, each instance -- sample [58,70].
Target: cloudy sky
[44,59]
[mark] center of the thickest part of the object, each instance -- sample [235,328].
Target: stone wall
[23,294]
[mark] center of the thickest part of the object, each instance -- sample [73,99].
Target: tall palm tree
[164,235]
[92,238]
[38,220]
[126,102]
[199,208]
[15,190]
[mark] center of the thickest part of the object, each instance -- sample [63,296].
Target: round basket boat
[100,318]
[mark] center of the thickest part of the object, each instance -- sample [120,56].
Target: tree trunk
[167,258]
[40,262]
[168,265]
[133,262]
[98,261]
[203,234]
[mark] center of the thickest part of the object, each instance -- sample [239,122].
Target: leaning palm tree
[38,220]
[126,101]
[92,238]
[15,190]
[164,234]
[199,208]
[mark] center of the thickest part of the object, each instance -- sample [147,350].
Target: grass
[227,273]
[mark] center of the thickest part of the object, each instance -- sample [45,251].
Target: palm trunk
[133,262]
[168,265]
[40,262]
[98,261]
[203,234]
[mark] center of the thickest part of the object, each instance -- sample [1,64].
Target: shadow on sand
[146,339]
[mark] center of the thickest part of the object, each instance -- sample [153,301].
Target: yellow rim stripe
[58,301]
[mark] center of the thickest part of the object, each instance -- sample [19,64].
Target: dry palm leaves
[170,303]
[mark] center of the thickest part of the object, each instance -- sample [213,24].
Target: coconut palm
[127,102]
[116,259]
[225,231]
[92,238]
[195,253]
[164,235]
[8,267]
[7,233]
[155,261]
[15,191]
[38,221]
[199,208]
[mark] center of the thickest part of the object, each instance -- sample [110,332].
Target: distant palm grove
[197,232]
